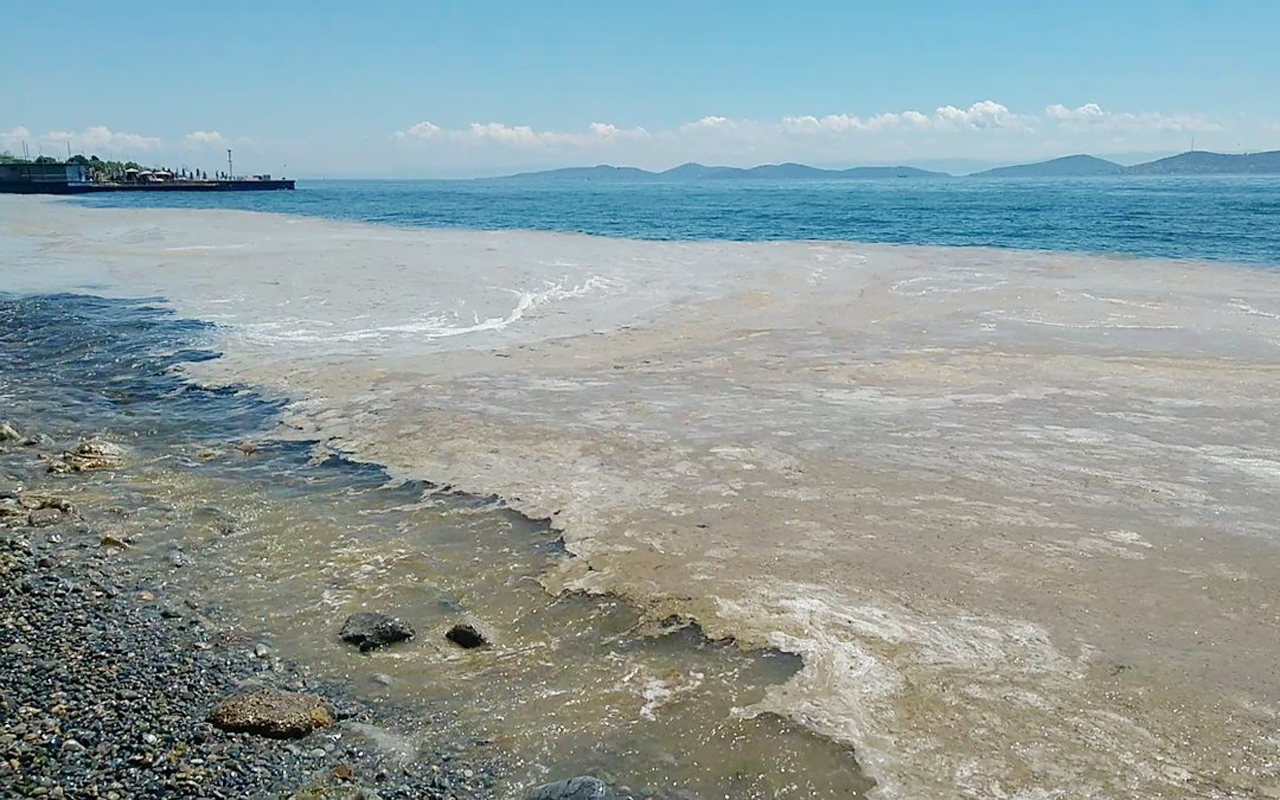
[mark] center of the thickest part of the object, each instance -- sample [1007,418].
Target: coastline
[870,650]
[111,668]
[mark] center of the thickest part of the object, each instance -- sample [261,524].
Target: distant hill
[802,172]
[700,172]
[603,172]
[1197,162]
[1065,167]
[1200,162]
[691,172]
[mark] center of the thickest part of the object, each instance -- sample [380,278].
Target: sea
[900,488]
[1227,218]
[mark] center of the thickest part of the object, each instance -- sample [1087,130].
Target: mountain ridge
[1066,166]
[1194,162]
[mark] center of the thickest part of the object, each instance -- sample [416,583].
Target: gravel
[106,682]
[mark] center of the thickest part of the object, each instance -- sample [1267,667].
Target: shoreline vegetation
[101,170]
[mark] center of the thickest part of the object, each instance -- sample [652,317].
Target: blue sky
[456,88]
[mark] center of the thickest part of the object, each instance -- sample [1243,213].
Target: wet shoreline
[111,668]
[103,372]
[990,497]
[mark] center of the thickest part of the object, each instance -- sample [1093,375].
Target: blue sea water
[1221,218]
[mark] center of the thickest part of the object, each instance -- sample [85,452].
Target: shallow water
[289,545]
[1015,510]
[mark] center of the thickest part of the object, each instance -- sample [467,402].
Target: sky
[437,88]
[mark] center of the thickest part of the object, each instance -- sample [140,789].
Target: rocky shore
[114,685]
[106,690]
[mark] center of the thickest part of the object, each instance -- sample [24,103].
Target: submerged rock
[469,634]
[8,433]
[370,629]
[580,788]
[88,455]
[272,713]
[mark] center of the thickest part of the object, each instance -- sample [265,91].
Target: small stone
[316,753]
[146,597]
[150,738]
[179,559]
[468,635]
[108,540]
[381,678]
[370,629]
[272,713]
[261,650]
[72,746]
[466,773]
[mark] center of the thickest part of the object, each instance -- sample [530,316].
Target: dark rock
[43,517]
[468,635]
[272,713]
[91,454]
[370,629]
[580,788]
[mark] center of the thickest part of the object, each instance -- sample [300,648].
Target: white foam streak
[432,326]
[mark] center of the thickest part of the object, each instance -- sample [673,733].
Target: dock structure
[75,178]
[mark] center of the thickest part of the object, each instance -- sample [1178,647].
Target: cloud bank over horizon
[983,130]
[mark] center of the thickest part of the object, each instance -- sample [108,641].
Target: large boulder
[8,433]
[370,629]
[580,788]
[272,713]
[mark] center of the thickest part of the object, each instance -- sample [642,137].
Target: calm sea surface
[1234,219]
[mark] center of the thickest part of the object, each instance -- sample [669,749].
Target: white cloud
[1094,116]
[507,134]
[985,130]
[423,130]
[607,131]
[96,139]
[984,115]
[498,133]
[1088,112]
[842,123]
[710,124]
[206,139]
